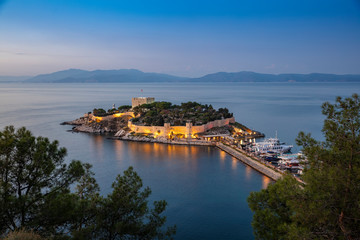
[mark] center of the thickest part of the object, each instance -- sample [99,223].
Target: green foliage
[162,105]
[135,120]
[332,193]
[35,195]
[32,175]
[272,209]
[124,214]
[112,111]
[156,113]
[124,108]
[99,112]
[328,206]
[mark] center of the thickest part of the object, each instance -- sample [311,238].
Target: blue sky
[186,38]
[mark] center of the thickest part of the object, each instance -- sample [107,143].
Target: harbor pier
[263,169]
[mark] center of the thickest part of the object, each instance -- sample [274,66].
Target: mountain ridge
[134,75]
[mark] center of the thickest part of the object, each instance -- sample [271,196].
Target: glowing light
[118,114]
[98,119]
[265,182]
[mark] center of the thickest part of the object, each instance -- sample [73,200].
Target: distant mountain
[133,75]
[260,77]
[104,76]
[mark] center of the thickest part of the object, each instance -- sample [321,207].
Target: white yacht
[271,145]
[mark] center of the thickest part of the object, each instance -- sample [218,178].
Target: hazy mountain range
[133,75]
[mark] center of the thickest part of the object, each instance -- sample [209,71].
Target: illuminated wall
[188,131]
[109,117]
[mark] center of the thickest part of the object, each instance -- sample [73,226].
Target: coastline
[256,165]
[261,168]
[163,141]
[124,130]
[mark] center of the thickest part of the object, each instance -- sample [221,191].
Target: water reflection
[234,163]
[119,150]
[154,152]
[266,181]
[248,172]
[222,155]
[97,147]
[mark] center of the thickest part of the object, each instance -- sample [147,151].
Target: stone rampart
[109,117]
[188,131]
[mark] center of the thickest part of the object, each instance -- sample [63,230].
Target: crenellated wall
[189,130]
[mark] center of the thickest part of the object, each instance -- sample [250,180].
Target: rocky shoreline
[84,124]
[118,126]
[121,133]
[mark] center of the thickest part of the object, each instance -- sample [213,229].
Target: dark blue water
[205,188]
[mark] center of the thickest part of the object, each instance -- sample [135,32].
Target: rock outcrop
[112,125]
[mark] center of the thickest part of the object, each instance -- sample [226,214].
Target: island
[190,123]
[147,120]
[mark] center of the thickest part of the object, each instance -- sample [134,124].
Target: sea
[206,189]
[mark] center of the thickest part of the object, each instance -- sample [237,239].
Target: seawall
[164,141]
[252,163]
[189,130]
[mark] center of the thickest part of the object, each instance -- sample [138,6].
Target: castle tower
[137,101]
[167,130]
[188,129]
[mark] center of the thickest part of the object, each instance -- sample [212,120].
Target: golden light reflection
[194,152]
[234,163]
[98,147]
[265,182]
[119,150]
[222,155]
[248,171]
[154,152]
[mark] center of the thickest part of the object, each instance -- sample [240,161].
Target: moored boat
[271,145]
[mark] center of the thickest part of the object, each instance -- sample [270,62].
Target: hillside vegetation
[158,113]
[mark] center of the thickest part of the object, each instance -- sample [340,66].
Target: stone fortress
[189,131]
[137,101]
[166,131]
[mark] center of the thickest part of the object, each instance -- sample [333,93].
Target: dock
[263,169]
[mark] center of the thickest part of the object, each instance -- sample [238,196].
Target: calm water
[206,189]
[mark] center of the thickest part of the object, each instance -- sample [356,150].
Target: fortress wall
[124,114]
[141,129]
[109,117]
[218,123]
[198,129]
[186,130]
[178,129]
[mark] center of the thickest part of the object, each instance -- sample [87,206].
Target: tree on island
[99,112]
[328,205]
[158,113]
[35,195]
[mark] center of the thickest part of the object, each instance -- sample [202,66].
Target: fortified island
[189,123]
[150,121]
